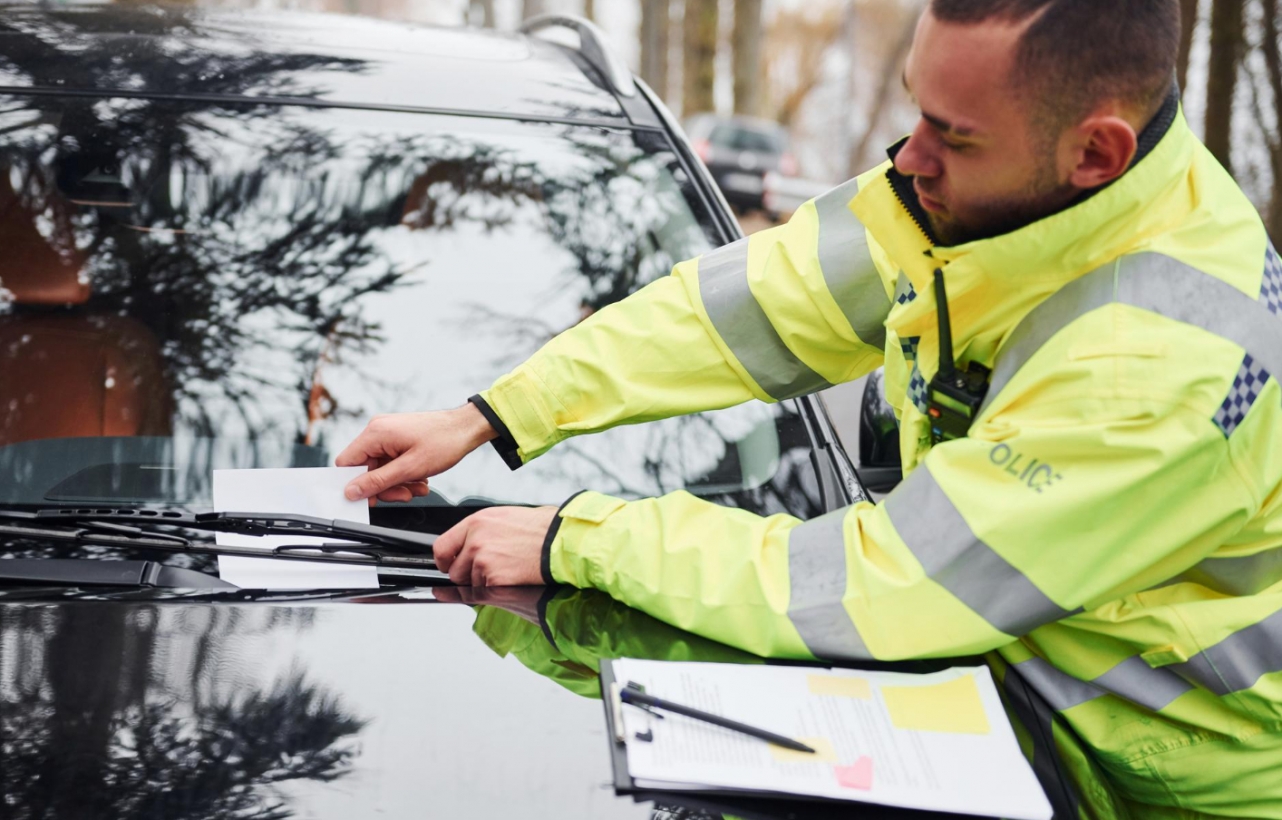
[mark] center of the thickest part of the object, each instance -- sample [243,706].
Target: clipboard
[749,805]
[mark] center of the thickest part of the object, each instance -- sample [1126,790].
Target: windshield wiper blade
[243,523]
[121,536]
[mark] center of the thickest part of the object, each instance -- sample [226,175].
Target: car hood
[394,708]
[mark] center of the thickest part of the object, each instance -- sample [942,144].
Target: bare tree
[699,74]
[889,83]
[1269,118]
[747,57]
[799,40]
[481,12]
[1188,24]
[533,8]
[1227,46]
[655,20]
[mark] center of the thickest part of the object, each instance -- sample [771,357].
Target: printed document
[939,742]
[314,491]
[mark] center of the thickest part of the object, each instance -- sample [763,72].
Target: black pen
[628,694]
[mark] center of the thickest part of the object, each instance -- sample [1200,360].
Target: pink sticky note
[857,775]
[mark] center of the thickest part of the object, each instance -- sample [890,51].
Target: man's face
[980,164]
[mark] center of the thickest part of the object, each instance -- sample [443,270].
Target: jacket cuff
[505,444]
[529,409]
[570,552]
[545,560]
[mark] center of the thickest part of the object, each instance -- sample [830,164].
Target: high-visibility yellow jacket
[1112,525]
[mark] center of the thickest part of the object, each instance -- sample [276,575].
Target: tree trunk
[891,74]
[1271,46]
[747,57]
[700,35]
[1222,73]
[656,18]
[533,8]
[481,13]
[589,9]
[1188,24]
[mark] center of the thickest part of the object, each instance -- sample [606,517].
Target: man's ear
[1105,146]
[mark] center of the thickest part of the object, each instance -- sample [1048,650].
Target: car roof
[319,59]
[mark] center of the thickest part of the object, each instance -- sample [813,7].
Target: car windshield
[188,286]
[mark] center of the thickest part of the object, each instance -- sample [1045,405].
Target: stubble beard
[1045,195]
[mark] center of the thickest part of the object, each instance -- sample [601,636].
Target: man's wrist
[478,428]
[502,439]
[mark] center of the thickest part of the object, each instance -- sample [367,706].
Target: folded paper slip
[938,742]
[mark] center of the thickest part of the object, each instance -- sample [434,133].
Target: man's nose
[919,157]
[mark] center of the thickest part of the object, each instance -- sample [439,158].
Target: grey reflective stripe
[952,555]
[848,268]
[1132,679]
[1151,282]
[817,584]
[1241,575]
[1183,293]
[1238,661]
[745,328]
[1062,691]
[1140,683]
[1076,299]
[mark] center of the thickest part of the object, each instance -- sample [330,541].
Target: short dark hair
[1078,53]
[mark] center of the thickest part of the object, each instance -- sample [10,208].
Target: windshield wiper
[137,528]
[243,523]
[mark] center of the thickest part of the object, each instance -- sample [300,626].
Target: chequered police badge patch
[909,347]
[917,390]
[1250,381]
[904,291]
[1271,289]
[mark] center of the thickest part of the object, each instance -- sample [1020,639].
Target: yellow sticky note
[824,752]
[952,706]
[839,687]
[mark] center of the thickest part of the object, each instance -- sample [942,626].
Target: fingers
[399,494]
[375,482]
[499,545]
[361,451]
[449,544]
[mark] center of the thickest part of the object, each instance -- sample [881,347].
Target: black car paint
[381,704]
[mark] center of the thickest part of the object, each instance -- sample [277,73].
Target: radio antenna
[947,365]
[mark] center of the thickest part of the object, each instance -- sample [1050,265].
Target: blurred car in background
[739,152]
[783,195]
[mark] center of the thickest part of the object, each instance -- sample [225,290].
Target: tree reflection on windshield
[241,284]
[102,716]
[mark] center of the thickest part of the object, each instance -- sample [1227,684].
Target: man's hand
[500,546]
[403,450]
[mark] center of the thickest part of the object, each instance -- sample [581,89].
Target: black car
[739,152]
[229,238]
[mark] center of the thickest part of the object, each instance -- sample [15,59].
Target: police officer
[1107,516]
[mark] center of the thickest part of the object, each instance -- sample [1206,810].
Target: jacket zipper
[903,189]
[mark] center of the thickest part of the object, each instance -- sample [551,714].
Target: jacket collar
[992,283]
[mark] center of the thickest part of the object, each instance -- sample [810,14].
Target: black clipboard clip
[616,711]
